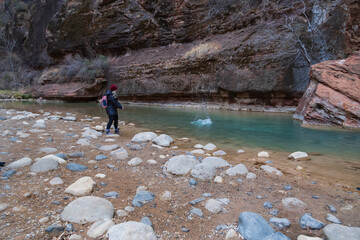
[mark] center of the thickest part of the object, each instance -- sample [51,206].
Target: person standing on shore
[111,109]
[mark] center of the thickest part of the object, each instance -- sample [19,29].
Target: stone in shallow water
[76,167]
[131,231]
[340,232]
[143,197]
[87,209]
[307,221]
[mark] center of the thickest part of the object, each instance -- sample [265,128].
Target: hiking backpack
[104,101]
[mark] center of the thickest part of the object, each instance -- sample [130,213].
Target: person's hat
[113,88]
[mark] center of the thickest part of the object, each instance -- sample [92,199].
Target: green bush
[26,96]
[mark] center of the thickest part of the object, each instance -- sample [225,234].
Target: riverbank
[34,203]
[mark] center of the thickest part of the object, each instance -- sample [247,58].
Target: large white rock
[293,204]
[44,165]
[135,161]
[340,232]
[89,133]
[180,165]
[271,170]
[263,154]
[297,156]
[131,231]
[239,169]
[209,147]
[108,147]
[119,154]
[20,117]
[203,172]
[163,140]
[99,227]
[83,186]
[87,209]
[144,137]
[23,162]
[56,181]
[213,206]
[215,162]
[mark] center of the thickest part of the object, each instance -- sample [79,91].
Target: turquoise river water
[229,129]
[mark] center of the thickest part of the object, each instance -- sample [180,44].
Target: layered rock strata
[333,95]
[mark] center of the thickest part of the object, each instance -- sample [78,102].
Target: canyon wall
[241,52]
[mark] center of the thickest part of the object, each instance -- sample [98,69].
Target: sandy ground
[31,197]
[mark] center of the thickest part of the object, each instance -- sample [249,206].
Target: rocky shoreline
[64,178]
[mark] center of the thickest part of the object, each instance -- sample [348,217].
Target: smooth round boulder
[203,172]
[144,137]
[131,231]
[180,165]
[213,206]
[119,154]
[163,140]
[263,154]
[239,169]
[99,227]
[219,153]
[87,209]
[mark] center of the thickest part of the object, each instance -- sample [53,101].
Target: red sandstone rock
[333,95]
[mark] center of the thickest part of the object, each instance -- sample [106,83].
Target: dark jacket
[112,104]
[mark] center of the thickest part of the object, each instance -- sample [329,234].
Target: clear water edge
[229,129]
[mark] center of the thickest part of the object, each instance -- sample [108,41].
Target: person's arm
[118,105]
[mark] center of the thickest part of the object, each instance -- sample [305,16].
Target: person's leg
[108,126]
[116,123]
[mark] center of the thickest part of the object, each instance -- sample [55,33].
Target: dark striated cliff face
[246,52]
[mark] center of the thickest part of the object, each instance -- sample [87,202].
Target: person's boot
[117,131]
[107,132]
